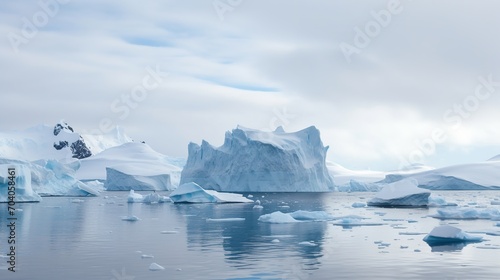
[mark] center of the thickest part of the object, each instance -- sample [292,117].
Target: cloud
[261,58]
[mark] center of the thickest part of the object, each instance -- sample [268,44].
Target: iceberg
[193,193]
[404,193]
[446,234]
[256,161]
[20,175]
[279,217]
[467,214]
[131,164]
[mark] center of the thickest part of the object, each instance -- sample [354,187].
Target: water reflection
[249,244]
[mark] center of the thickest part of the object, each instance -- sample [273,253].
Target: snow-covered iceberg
[56,178]
[19,177]
[404,193]
[446,234]
[193,193]
[131,166]
[473,176]
[256,161]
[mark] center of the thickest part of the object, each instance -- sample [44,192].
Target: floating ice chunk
[156,267]
[134,197]
[437,201]
[308,243]
[193,193]
[250,196]
[258,207]
[311,216]
[350,222]
[412,233]
[445,234]
[226,220]
[147,257]
[155,198]
[403,193]
[275,241]
[467,214]
[497,224]
[169,232]
[77,200]
[495,202]
[130,218]
[358,205]
[277,218]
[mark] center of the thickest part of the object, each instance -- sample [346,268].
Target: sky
[388,83]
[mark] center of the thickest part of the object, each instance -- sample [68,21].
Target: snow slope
[256,161]
[134,161]
[43,142]
[474,176]
[100,142]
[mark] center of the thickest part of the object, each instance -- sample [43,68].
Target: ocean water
[64,238]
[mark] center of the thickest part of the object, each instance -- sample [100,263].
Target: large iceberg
[15,184]
[404,193]
[55,178]
[131,166]
[193,193]
[256,161]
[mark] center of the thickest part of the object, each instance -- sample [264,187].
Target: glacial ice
[194,193]
[23,189]
[257,161]
[466,213]
[131,164]
[404,193]
[446,234]
[279,217]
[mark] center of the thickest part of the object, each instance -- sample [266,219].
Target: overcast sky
[378,78]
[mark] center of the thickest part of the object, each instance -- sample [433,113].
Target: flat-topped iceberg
[15,184]
[446,234]
[404,193]
[256,161]
[194,193]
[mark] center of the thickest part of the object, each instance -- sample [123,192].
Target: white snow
[256,161]
[449,234]
[404,193]
[194,193]
[131,163]
[22,184]
[99,142]
[39,142]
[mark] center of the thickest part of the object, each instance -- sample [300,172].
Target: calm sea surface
[61,238]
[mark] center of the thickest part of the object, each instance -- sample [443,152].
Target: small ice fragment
[308,243]
[250,196]
[156,267]
[358,205]
[258,207]
[169,232]
[403,247]
[417,251]
[275,241]
[226,220]
[76,200]
[130,218]
[147,257]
